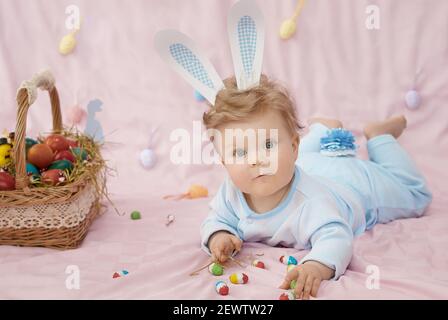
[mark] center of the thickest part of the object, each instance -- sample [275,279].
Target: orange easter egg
[40,155]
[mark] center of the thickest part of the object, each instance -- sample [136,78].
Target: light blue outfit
[331,200]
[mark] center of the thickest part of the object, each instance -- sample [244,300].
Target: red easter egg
[40,155]
[52,176]
[65,155]
[72,143]
[7,182]
[57,142]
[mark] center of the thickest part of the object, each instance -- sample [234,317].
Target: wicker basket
[53,217]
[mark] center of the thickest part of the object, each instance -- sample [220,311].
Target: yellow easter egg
[287,29]
[67,44]
[197,191]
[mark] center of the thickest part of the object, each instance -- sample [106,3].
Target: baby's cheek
[239,175]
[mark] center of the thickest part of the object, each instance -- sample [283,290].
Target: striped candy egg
[287,296]
[258,264]
[222,288]
[288,260]
[216,269]
[239,278]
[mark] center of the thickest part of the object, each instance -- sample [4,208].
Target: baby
[282,191]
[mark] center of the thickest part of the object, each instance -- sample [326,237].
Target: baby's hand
[222,244]
[308,276]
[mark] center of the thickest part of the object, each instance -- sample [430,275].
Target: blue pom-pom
[338,142]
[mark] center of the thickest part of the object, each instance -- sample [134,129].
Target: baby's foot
[329,123]
[393,126]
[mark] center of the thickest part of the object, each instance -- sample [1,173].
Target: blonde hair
[236,105]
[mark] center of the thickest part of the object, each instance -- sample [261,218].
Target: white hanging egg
[413,99]
[148,158]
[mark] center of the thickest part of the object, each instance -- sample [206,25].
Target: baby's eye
[269,144]
[239,152]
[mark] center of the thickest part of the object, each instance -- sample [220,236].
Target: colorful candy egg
[65,155]
[290,267]
[53,177]
[40,155]
[216,269]
[57,142]
[7,182]
[258,264]
[222,288]
[239,278]
[293,284]
[80,153]
[290,295]
[288,260]
[61,165]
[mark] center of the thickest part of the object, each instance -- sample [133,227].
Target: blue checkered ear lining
[191,63]
[247,36]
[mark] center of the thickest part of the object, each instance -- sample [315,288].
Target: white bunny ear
[181,53]
[246,36]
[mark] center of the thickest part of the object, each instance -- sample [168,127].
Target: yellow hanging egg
[287,29]
[67,44]
[197,191]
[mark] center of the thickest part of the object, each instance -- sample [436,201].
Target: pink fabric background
[333,66]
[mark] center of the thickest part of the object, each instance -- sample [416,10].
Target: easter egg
[65,155]
[80,153]
[29,143]
[258,264]
[293,284]
[61,165]
[40,155]
[57,142]
[412,99]
[288,260]
[287,29]
[72,143]
[7,182]
[290,267]
[216,269]
[239,278]
[135,215]
[222,288]
[31,170]
[53,177]
[148,158]
[290,295]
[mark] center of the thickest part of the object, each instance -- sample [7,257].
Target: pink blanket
[334,66]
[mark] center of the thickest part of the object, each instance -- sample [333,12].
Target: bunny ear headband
[246,36]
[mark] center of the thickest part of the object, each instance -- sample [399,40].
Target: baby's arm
[219,232]
[321,227]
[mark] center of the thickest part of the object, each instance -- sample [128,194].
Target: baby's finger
[236,243]
[291,275]
[301,280]
[316,285]
[308,287]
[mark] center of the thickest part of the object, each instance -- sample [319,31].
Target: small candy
[148,158]
[413,99]
[258,264]
[293,284]
[239,278]
[222,288]
[216,269]
[288,260]
[116,275]
[135,215]
[290,295]
[124,272]
[290,267]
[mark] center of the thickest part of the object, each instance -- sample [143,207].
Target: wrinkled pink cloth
[333,66]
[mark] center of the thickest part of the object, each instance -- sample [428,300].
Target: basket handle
[26,95]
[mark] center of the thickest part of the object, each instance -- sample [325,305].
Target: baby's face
[259,154]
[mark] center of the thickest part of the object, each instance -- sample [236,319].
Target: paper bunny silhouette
[246,36]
